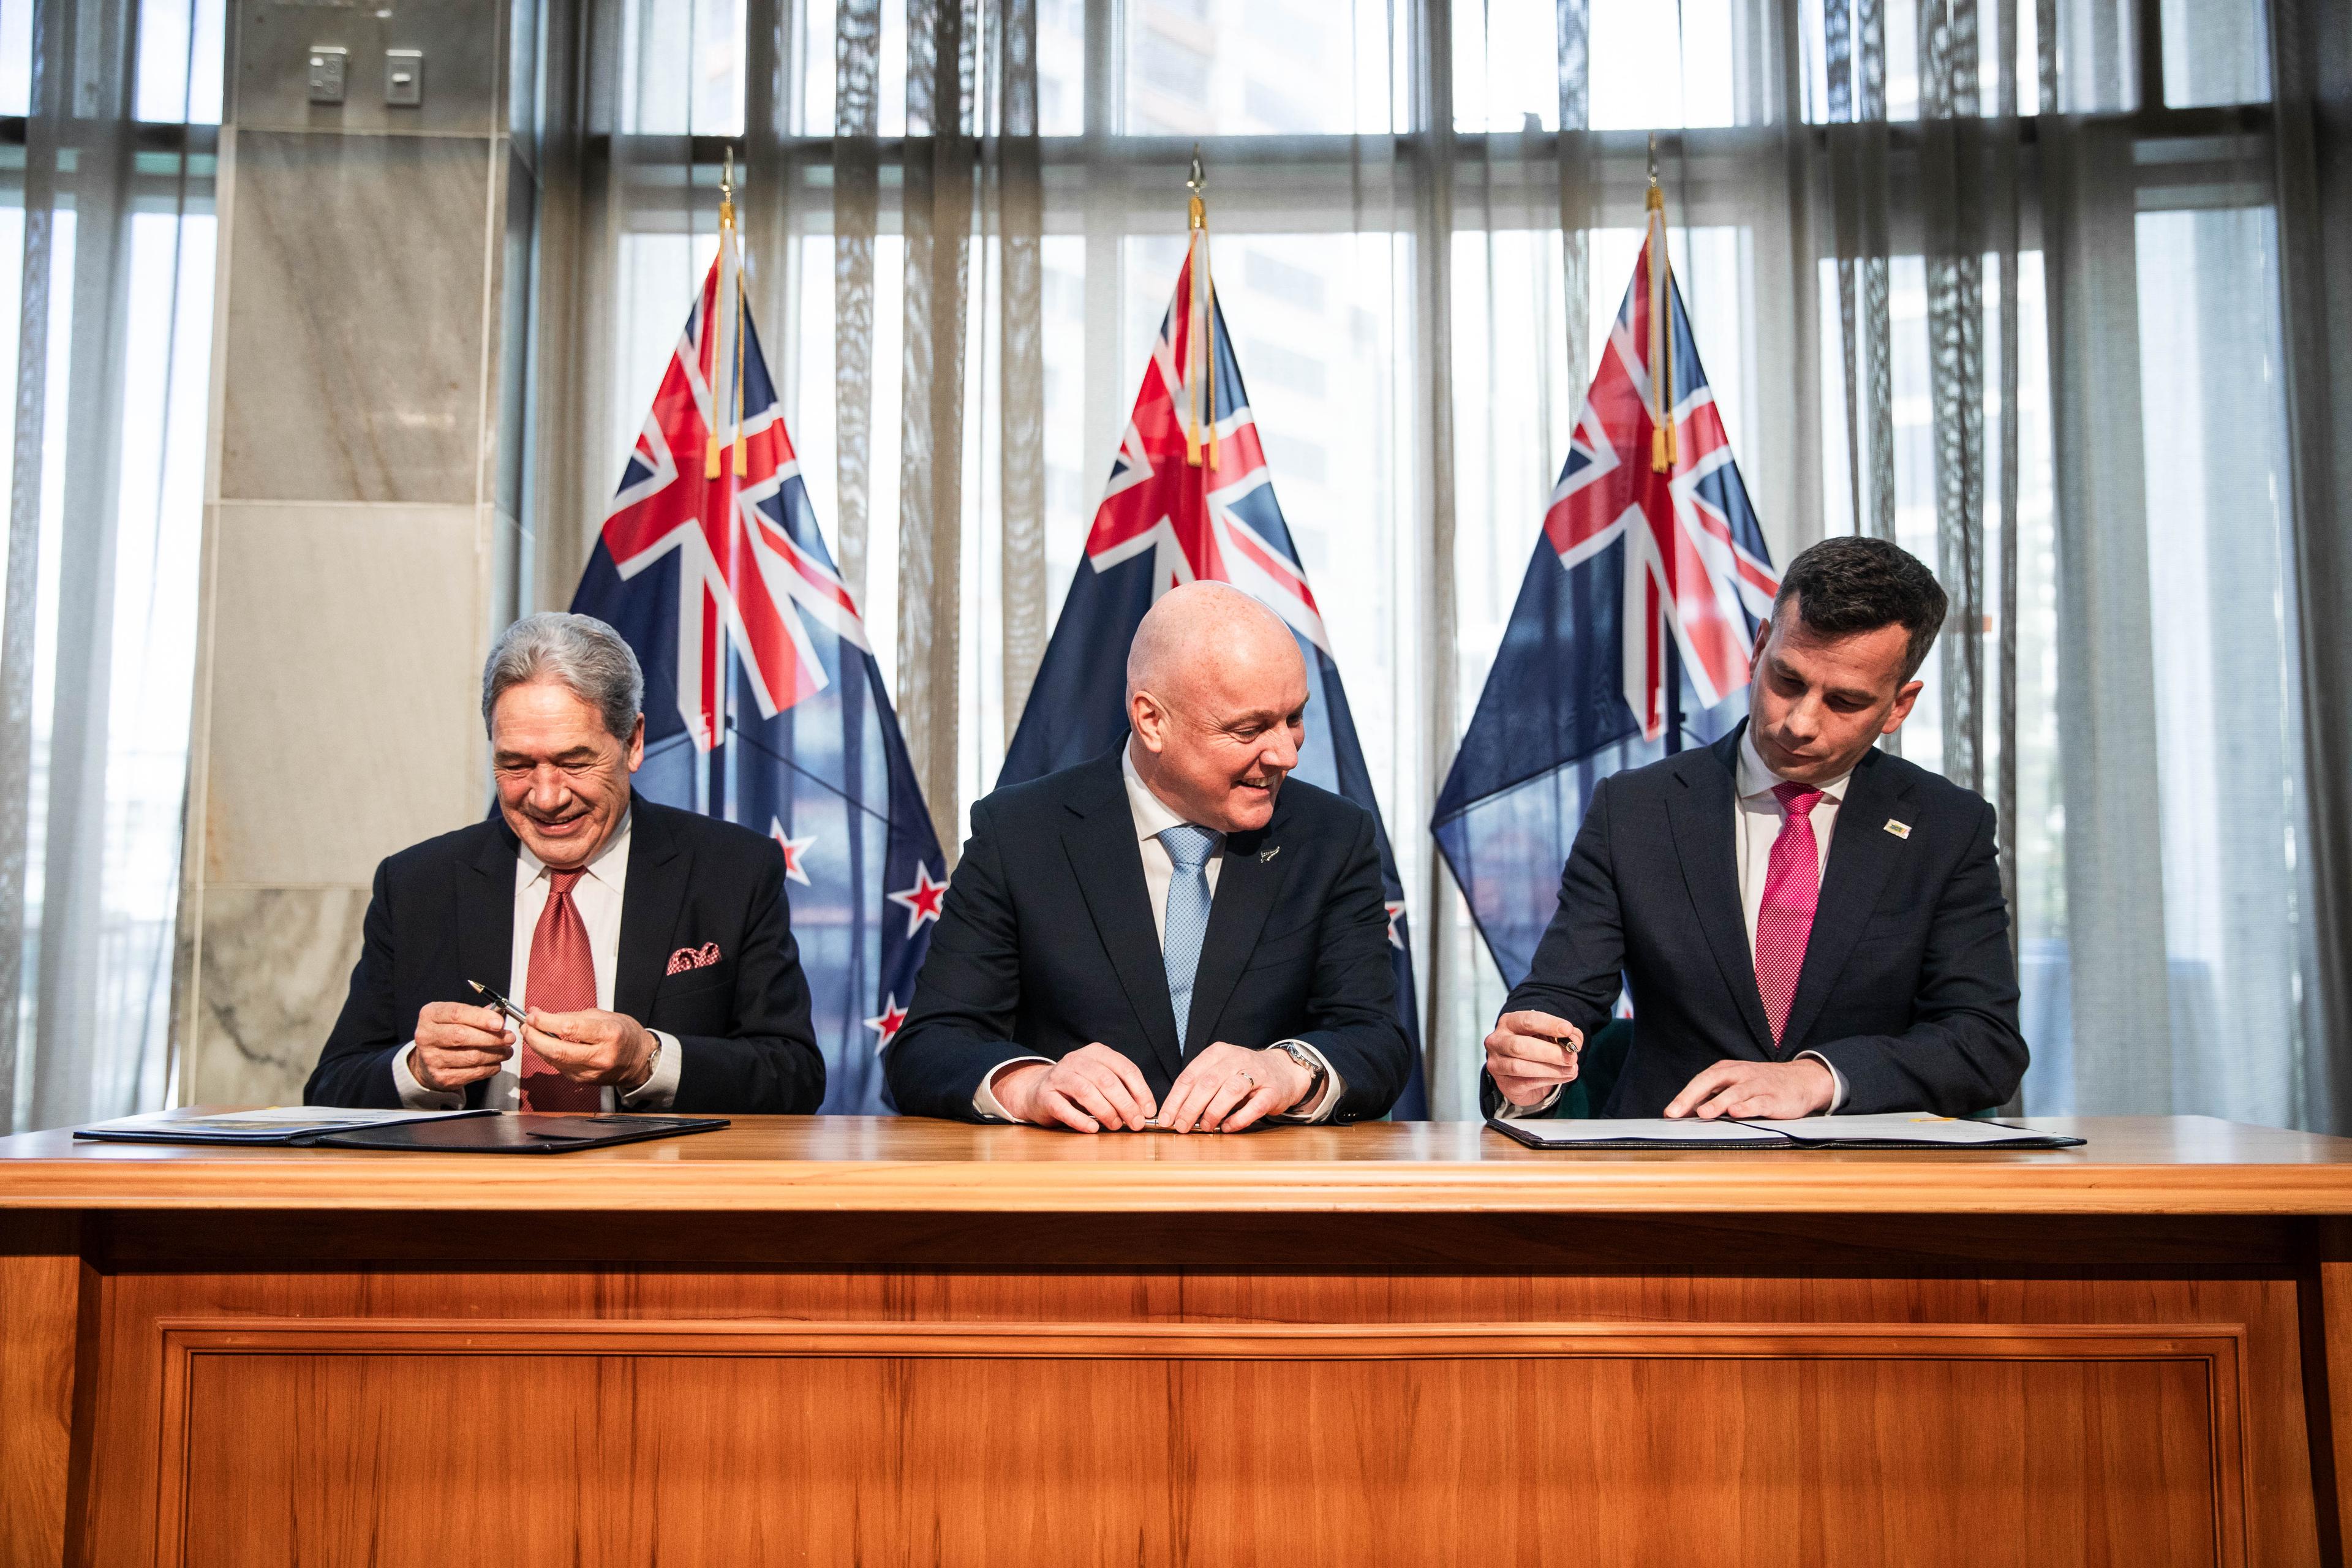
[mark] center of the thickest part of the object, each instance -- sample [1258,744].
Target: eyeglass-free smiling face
[1217,700]
[562,778]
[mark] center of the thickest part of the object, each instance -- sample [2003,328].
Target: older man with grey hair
[650,949]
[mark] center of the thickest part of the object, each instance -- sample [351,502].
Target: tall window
[1895,347]
[105,296]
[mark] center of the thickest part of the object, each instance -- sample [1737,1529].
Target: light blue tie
[1188,915]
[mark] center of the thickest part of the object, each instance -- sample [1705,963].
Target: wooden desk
[835,1341]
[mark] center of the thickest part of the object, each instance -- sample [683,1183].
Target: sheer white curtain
[1997,278]
[106,267]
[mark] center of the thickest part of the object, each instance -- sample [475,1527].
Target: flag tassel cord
[1662,444]
[1201,310]
[730,253]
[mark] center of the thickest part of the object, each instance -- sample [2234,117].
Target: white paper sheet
[1907,1127]
[266,1124]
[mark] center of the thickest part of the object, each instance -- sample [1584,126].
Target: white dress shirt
[1154,816]
[1756,820]
[598,896]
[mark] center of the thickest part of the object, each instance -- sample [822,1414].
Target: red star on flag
[922,899]
[893,1018]
[1395,907]
[793,849]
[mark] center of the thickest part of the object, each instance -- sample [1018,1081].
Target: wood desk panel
[1021,1447]
[2142,1421]
[1519,1367]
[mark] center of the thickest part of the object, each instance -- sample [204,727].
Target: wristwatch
[1316,1073]
[652,1064]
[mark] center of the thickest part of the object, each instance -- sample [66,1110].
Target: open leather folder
[1897,1132]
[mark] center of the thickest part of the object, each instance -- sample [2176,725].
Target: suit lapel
[1702,815]
[1249,874]
[1103,856]
[1861,857]
[485,910]
[659,869]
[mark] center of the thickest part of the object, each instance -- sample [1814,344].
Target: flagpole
[1663,454]
[731,261]
[1201,316]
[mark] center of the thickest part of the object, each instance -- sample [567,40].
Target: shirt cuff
[983,1099]
[659,1092]
[1509,1113]
[1325,1102]
[1837,1080]
[414,1096]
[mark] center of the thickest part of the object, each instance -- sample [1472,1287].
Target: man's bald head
[1199,625]
[1216,694]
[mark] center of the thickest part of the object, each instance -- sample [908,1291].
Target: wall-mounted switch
[404,77]
[328,63]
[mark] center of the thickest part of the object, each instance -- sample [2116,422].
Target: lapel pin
[1900,829]
[1265,855]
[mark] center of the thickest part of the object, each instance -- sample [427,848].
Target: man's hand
[1227,1087]
[1772,1091]
[592,1046]
[1531,1055]
[1091,1088]
[457,1045]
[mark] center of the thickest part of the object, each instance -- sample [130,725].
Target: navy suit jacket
[1046,942]
[442,914]
[1908,987]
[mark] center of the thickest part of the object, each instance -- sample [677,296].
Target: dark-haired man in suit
[1806,923]
[1172,934]
[652,948]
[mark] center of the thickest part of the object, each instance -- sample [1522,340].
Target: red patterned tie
[564,980]
[1792,886]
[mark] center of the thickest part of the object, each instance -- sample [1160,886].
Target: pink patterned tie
[1792,886]
[562,979]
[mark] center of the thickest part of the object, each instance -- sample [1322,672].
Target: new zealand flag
[1171,516]
[763,704]
[1633,629]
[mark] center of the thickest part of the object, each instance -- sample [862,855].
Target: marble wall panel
[465,45]
[358,267]
[346,657]
[273,967]
[517,195]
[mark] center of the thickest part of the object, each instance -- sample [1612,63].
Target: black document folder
[522,1132]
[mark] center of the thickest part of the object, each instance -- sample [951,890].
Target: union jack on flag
[1641,602]
[1695,564]
[764,703]
[1165,520]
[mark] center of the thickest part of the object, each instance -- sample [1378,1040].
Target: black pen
[509,1008]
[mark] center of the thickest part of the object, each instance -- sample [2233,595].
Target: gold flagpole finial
[1197,182]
